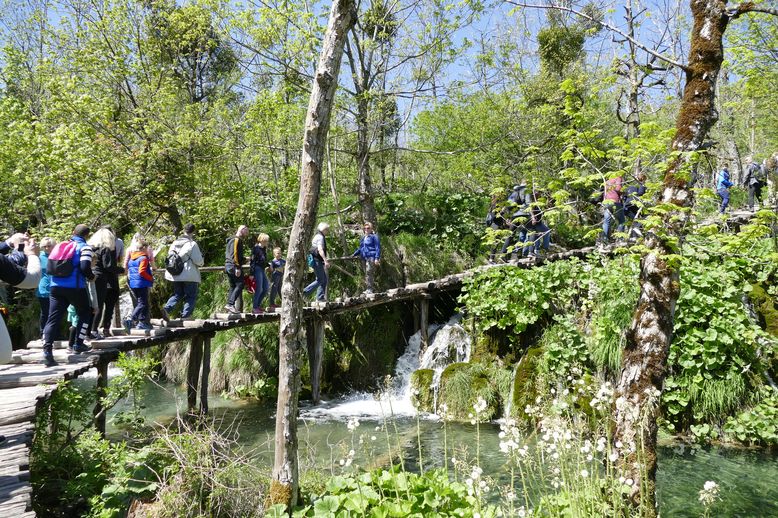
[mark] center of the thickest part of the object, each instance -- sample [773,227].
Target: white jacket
[190,253]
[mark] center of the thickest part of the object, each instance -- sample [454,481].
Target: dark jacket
[258,257]
[106,266]
[753,175]
[10,272]
[234,254]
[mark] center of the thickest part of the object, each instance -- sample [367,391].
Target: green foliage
[135,371]
[392,492]
[512,298]
[463,384]
[563,348]
[757,425]
[421,387]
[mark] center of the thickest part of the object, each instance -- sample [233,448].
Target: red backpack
[61,259]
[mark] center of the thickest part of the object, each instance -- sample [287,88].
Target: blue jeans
[724,195]
[262,287]
[186,291]
[141,312]
[320,282]
[539,236]
[612,211]
[275,288]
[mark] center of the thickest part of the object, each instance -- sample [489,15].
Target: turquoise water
[748,479]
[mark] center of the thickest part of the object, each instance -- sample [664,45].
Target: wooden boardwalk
[25,384]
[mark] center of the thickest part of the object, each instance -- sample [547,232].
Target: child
[277,275]
[140,280]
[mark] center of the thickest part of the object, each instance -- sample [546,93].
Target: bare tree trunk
[366,199]
[285,484]
[644,362]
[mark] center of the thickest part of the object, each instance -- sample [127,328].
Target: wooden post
[206,373]
[315,340]
[100,410]
[193,372]
[424,317]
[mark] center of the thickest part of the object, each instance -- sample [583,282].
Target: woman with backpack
[106,268]
[140,280]
[319,262]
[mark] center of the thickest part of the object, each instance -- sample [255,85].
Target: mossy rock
[524,388]
[462,384]
[765,305]
[422,395]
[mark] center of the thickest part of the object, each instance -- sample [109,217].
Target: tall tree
[285,484]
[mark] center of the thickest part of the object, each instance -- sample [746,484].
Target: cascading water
[448,343]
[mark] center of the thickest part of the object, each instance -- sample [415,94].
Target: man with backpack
[70,268]
[754,180]
[182,269]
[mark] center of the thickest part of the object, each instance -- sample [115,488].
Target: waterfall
[449,343]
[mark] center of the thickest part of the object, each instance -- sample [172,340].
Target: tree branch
[749,7]
[605,26]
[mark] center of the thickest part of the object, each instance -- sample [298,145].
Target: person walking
[106,269]
[69,266]
[277,276]
[632,204]
[612,207]
[43,291]
[722,187]
[320,263]
[140,280]
[233,266]
[186,284]
[258,265]
[369,251]
[538,234]
[754,180]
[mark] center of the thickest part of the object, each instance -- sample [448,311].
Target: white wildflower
[353,424]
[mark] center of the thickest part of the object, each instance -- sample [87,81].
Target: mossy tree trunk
[285,484]
[648,338]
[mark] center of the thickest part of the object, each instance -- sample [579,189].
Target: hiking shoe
[231,309]
[258,311]
[95,335]
[81,348]
[145,326]
[48,358]
[165,315]
[271,308]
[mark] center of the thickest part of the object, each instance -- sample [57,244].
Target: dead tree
[285,484]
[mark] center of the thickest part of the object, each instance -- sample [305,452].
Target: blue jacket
[44,287]
[82,267]
[139,271]
[369,247]
[723,180]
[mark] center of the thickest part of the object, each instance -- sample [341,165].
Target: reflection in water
[746,478]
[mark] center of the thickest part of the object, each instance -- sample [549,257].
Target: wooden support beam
[424,317]
[193,372]
[102,384]
[206,373]
[314,333]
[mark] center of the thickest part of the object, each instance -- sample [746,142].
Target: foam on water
[448,343]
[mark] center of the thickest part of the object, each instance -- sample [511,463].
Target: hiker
[722,187]
[612,207]
[517,207]
[317,259]
[43,291]
[258,264]
[538,235]
[19,277]
[233,267]
[632,204]
[369,251]
[70,268]
[277,276]
[106,269]
[184,273]
[754,180]
[140,280]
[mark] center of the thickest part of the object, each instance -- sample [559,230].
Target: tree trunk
[366,199]
[648,338]
[285,484]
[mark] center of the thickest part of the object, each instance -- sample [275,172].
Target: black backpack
[173,263]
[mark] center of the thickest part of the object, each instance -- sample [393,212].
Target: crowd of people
[754,180]
[78,279]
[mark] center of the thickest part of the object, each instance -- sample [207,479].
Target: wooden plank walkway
[26,383]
